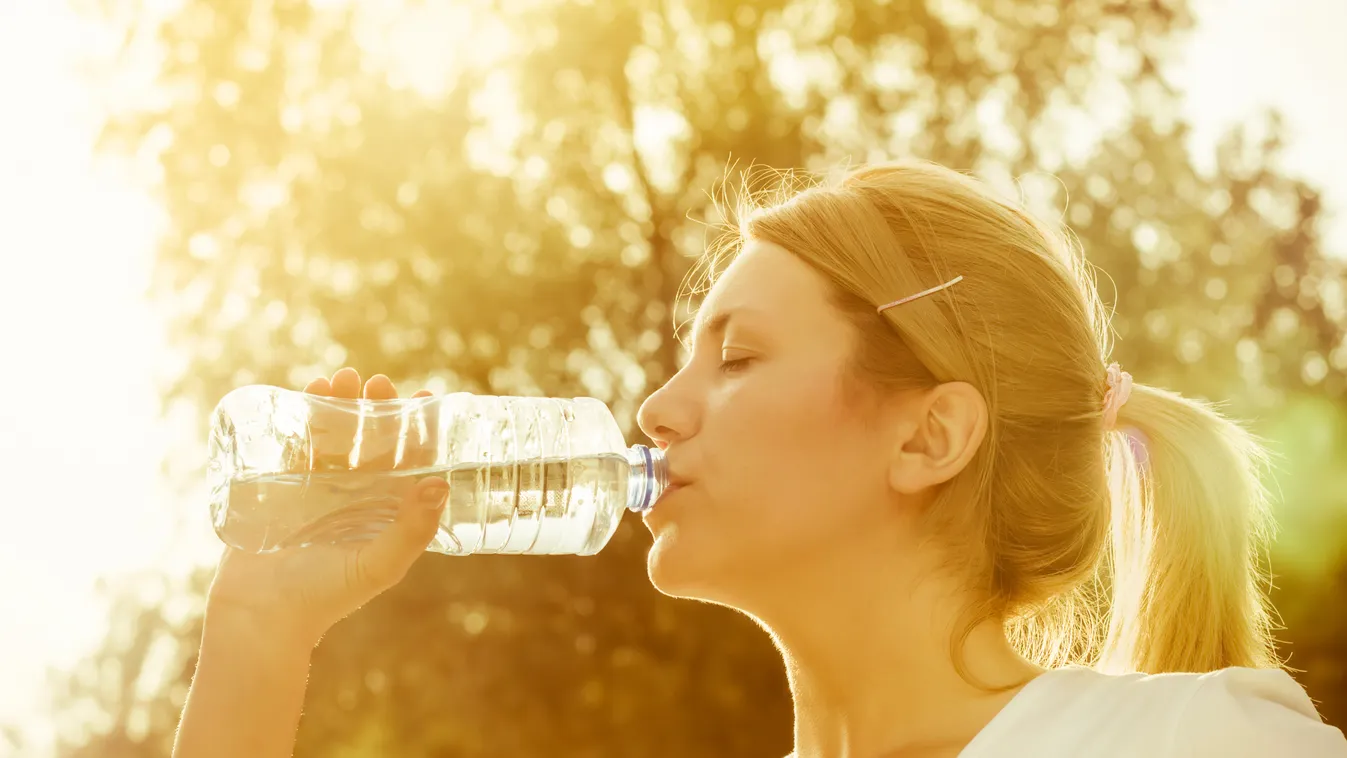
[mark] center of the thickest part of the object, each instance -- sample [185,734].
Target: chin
[692,569]
[678,569]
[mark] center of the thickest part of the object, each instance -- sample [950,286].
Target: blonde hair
[1090,547]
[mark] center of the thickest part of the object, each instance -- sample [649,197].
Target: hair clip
[921,294]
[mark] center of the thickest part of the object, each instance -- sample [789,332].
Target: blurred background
[503,196]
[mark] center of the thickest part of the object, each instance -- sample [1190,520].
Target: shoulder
[1231,713]
[1250,713]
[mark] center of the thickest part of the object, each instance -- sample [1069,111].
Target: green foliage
[518,222]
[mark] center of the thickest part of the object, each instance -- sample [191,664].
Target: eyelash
[734,366]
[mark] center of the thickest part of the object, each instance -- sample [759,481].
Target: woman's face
[782,467]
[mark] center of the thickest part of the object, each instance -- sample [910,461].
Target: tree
[521,225]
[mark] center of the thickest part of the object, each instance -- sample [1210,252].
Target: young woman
[898,446]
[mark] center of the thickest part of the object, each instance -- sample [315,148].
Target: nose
[668,415]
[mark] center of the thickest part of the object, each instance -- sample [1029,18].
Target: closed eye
[735,366]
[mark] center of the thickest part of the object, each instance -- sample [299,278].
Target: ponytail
[1191,525]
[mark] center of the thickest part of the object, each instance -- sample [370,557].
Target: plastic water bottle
[526,475]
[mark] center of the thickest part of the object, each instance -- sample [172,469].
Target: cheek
[783,434]
[790,461]
[787,472]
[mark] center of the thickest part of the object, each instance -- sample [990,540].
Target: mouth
[676,483]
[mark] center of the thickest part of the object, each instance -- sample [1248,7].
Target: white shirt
[1075,712]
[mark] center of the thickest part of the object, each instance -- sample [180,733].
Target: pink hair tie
[1119,389]
[921,294]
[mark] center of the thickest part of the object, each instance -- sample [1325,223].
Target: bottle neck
[649,477]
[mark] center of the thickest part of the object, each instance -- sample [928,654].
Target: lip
[673,486]
[676,482]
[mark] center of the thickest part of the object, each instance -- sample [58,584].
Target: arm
[247,693]
[266,612]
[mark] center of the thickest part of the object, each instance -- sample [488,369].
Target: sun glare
[81,435]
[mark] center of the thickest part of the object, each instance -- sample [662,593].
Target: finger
[385,560]
[334,423]
[380,428]
[380,387]
[421,433]
[346,383]
[319,386]
[318,457]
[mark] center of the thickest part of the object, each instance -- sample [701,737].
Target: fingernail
[434,494]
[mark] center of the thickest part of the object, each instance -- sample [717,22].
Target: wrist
[248,628]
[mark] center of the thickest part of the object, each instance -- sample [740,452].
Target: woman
[900,450]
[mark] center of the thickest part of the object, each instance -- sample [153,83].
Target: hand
[296,594]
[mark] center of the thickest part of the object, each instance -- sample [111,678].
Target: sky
[1290,54]
[81,437]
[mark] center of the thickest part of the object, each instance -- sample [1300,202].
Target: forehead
[767,283]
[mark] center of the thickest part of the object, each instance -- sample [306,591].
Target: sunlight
[84,453]
[419,45]
[82,436]
[423,46]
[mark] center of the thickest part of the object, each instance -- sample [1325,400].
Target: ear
[940,431]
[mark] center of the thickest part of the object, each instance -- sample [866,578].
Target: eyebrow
[717,324]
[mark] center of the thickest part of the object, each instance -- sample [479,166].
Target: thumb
[385,560]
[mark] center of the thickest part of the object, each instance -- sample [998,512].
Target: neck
[867,653]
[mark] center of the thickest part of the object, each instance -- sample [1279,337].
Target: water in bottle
[527,475]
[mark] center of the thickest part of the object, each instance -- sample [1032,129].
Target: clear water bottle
[526,475]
